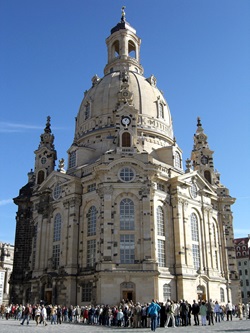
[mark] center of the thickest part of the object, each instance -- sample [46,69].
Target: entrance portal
[127,291]
[127,295]
[48,296]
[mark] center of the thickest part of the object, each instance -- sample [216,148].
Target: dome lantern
[123,48]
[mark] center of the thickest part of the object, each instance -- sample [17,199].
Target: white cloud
[6,127]
[5,202]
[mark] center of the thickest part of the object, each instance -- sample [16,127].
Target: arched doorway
[201,293]
[128,291]
[46,290]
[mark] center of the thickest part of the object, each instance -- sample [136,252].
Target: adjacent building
[242,257]
[125,219]
[6,266]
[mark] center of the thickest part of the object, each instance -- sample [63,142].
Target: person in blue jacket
[153,311]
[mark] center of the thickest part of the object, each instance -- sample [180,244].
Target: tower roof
[122,24]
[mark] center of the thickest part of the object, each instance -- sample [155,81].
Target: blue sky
[199,51]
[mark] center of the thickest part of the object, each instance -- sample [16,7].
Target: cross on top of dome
[123,18]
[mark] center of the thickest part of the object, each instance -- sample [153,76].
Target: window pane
[92,213]
[196,256]
[194,228]
[161,253]
[72,159]
[87,292]
[177,160]
[127,249]
[127,215]
[57,228]
[91,252]
[56,256]
[166,292]
[160,222]
[222,295]
[127,174]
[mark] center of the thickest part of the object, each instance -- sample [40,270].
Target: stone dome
[103,99]
[123,92]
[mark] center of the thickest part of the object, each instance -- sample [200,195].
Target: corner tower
[202,156]
[45,155]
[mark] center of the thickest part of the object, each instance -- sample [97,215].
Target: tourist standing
[195,309]
[153,310]
[203,313]
[229,309]
[44,315]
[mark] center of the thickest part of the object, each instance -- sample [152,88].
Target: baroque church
[124,219]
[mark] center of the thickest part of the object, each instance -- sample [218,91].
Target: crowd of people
[129,314]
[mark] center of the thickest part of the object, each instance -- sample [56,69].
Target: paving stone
[13,326]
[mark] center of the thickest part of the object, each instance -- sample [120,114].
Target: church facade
[125,220]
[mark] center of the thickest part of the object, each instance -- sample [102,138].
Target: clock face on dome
[125,121]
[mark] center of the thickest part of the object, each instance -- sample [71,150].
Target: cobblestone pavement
[13,326]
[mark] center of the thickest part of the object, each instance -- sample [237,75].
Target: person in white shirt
[229,309]
[44,315]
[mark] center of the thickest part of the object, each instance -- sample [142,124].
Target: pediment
[54,178]
[194,177]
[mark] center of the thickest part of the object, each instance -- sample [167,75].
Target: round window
[127,174]
[193,191]
[57,191]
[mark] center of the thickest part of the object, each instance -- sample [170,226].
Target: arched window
[194,191]
[87,291]
[131,49]
[207,175]
[166,292]
[57,228]
[116,49]
[87,111]
[127,249]
[177,160]
[161,110]
[91,252]
[161,253]
[160,221]
[127,215]
[40,177]
[222,295]
[72,159]
[195,241]
[56,240]
[91,216]
[216,259]
[126,139]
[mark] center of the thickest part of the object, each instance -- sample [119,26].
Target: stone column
[70,250]
[108,224]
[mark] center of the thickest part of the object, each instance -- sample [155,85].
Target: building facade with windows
[125,220]
[242,257]
[6,266]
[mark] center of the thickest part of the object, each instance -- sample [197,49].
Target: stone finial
[188,165]
[61,166]
[47,128]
